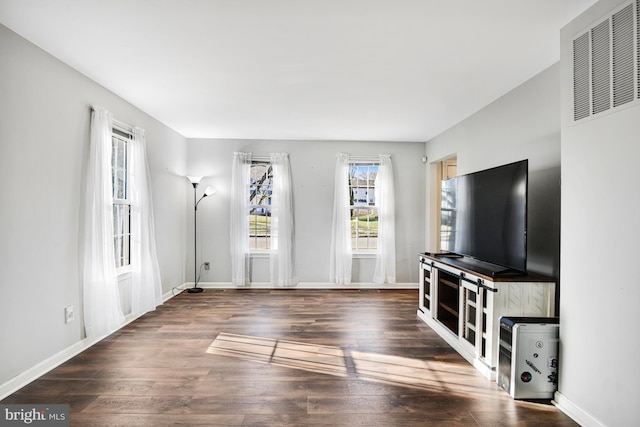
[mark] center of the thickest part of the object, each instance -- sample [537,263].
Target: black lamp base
[195,290]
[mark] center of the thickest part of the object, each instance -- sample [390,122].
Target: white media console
[463,299]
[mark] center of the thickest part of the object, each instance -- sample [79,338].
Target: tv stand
[463,299]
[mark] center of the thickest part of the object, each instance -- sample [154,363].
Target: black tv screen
[484,215]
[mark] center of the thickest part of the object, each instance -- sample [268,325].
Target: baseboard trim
[301,285]
[31,374]
[35,372]
[574,411]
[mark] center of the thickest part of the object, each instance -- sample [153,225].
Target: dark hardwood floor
[281,358]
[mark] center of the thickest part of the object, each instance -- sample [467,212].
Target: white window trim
[126,271]
[259,253]
[364,160]
[254,252]
[364,255]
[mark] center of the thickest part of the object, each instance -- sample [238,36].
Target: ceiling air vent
[606,73]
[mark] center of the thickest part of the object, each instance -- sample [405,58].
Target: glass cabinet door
[470,319]
[472,310]
[426,289]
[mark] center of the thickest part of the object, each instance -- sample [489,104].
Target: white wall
[600,234]
[312,168]
[44,136]
[523,124]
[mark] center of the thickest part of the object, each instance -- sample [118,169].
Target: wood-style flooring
[281,358]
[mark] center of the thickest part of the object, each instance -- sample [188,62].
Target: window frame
[267,194]
[368,204]
[121,196]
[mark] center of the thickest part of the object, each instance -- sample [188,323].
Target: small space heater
[528,357]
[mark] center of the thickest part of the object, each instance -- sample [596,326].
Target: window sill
[364,255]
[259,254]
[124,273]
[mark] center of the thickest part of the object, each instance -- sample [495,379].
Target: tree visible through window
[121,200]
[260,193]
[364,211]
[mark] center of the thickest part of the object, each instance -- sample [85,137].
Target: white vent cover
[606,68]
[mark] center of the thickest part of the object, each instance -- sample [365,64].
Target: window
[260,198]
[363,217]
[121,200]
[261,222]
[364,211]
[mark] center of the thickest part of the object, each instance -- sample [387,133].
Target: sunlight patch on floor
[388,369]
[308,357]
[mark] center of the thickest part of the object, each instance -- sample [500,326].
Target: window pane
[121,208]
[119,185]
[119,167]
[364,214]
[118,251]
[362,184]
[260,228]
[117,220]
[122,234]
[448,215]
[122,155]
[364,228]
[261,184]
[260,192]
[114,152]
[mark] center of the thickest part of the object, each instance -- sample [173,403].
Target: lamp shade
[209,190]
[194,179]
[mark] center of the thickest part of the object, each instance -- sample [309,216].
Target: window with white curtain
[363,216]
[120,139]
[262,217]
[118,227]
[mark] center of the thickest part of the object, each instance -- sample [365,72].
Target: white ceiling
[377,70]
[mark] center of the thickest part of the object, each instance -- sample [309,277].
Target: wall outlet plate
[207,266]
[68,314]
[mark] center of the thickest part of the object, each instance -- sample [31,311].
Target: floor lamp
[195,180]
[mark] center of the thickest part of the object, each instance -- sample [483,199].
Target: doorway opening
[443,169]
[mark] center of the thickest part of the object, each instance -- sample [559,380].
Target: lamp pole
[195,180]
[195,288]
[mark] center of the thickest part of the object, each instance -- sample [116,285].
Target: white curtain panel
[239,229]
[146,290]
[282,254]
[101,297]
[341,252]
[385,269]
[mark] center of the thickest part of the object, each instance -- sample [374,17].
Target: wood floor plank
[282,357]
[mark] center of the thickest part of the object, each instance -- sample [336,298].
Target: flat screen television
[484,216]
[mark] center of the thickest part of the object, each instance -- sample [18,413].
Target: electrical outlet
[68,314]
[207,266]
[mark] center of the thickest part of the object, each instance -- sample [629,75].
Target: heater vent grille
[637,40]
[581,92]
[623,56]
[600,66]
[606,68]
